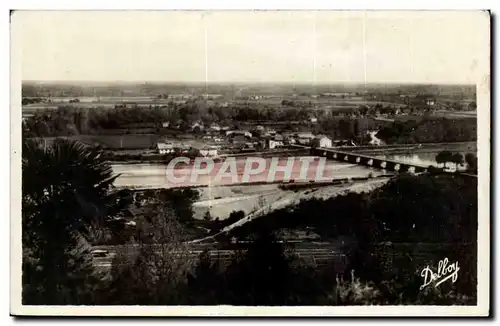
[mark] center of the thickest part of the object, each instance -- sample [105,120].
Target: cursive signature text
[445,271]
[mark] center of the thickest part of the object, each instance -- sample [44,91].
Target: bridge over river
[364,159]
[367,160]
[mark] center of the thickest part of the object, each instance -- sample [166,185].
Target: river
[155,175]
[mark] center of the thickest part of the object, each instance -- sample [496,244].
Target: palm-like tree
[66,188]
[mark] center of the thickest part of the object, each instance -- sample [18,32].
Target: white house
[239,132]
[322,141]
[165,124]
[214,126]
[197,125]
[308,135]
[165,148]
[270,132]
[209,152]
[272,143]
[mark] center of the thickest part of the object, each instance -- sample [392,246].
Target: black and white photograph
[251,162]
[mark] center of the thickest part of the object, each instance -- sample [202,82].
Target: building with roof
[209,152]
[322,141]
[239,139]
[165,148]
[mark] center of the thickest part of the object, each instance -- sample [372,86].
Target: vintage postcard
[250,163]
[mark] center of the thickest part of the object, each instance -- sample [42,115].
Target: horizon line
[361,83]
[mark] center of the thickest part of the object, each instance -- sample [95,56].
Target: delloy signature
[444,272]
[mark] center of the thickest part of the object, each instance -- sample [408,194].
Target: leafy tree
[152,270]
[440,158]
[444,157]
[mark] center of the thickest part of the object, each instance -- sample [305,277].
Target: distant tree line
[431,130]
[66,121]
[31,100]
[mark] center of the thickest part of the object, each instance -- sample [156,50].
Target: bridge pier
[403,168]
[378,163]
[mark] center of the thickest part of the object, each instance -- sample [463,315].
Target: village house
[275,142]
[239,139]
[197,125]
[289,140]
[270,132]
[249,145]
[215,127]
[239,132]
[272,143]
[182,148]
[209,152]
[165,148]
[322,142]
[304,138]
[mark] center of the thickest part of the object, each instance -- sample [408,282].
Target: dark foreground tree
[263,274]
[65,190]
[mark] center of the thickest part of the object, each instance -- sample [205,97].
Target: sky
[260,46]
